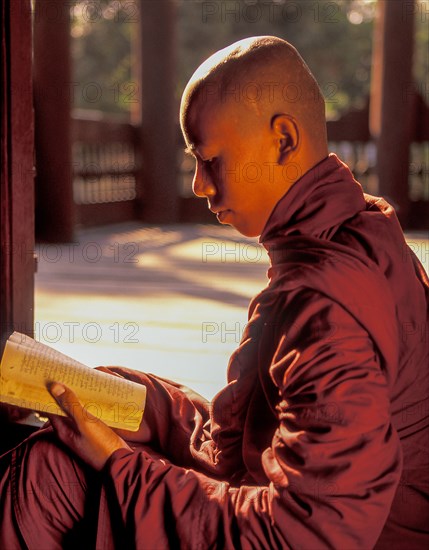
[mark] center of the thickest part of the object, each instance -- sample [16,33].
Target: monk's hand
[86,435]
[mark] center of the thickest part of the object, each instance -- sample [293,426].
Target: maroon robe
[319,439]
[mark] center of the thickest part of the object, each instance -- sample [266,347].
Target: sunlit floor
[170,300]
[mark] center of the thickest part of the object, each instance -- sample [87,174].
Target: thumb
[67,400]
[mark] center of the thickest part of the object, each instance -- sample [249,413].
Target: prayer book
[27,367]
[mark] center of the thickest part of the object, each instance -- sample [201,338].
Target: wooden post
[17,172]
[391,101]
[157,189]
[52,98]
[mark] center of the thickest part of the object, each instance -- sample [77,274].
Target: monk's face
[235,164]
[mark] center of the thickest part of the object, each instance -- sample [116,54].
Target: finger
[64,427]
[68,401]
[108,371]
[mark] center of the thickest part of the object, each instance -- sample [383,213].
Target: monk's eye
[209,163]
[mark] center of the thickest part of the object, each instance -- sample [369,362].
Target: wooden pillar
[52,99]
[158,190]
[17,172]
[391,101]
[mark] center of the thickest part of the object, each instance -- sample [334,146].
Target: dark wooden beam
[52,99]
[158,190]
[392,105]
[352,126]
[17,171]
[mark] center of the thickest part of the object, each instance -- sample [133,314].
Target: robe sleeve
[332,468]
[175,416]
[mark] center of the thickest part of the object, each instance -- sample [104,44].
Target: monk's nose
[202,185]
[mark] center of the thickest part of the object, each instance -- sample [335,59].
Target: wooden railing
[107,158]
[350,138]
[106,164]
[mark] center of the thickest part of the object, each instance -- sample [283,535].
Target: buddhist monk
[320,438]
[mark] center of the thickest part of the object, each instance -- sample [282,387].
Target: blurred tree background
[333,36]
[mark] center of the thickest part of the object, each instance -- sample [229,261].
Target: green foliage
[337,50]
[101,49]
[333,36]
[421,52]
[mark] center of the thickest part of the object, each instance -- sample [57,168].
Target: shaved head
[263,76]
[253,117]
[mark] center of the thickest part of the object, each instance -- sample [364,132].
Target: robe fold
[320,437]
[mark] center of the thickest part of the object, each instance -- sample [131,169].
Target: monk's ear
[287,135]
